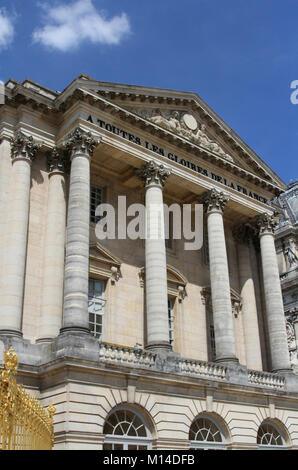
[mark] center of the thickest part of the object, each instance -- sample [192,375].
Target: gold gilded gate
[24,423]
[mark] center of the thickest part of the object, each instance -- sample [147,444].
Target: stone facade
[172,336]
[286,237]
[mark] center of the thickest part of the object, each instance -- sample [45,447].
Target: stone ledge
[86,348]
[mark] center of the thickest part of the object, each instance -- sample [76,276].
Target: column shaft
[219,277]
[14,258]
[75,312]
[155,258]
[280,360]
[156,272]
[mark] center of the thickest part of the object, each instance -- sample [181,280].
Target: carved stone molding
[235,300]
[23,148]
[176,282]
[57,160]
[153,173]
[291,337]
[266,223]
[81,142]
[103,264]
[214,200]
[185,125]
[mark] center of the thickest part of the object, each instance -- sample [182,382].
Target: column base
[227,360]
[75,329]
[44,340]
[159,347]
[7,332]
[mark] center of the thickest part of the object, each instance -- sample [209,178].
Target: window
[269,436]
[96,198]
[126,430]
[171,302]
[96,303]
[205,434]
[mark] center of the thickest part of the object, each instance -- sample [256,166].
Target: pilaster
[54,248]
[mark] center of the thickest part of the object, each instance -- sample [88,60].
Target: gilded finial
[51,410]
[11,361]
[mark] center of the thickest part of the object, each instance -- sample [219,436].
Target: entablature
[46,103]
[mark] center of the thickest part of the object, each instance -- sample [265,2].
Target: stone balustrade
[141,359]
[266,379]
[202,369]
[149,360]
[126,356]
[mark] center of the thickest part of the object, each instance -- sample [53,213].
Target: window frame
[126,440]
[208,445]
[282,446]
[102,315]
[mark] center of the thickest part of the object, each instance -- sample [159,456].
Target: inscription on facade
[182,161]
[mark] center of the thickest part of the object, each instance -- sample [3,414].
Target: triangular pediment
[102,254]
[181,114]
[103,264]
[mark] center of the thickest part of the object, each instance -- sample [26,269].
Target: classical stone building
[142,343]
[286,236]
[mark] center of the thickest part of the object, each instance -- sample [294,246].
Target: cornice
[18,94]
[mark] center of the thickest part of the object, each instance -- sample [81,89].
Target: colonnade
[66,258]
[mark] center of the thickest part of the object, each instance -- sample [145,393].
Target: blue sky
[240,56]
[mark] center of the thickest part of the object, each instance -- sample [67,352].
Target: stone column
[54,249]
[243,235]
[280,360]
[215,202]
[23,152]
[154,176]
[75,312]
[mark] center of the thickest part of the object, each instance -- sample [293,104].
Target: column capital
[214,200]
[82,142]
[23,148]
[57,160]
[153,173]
[266,223]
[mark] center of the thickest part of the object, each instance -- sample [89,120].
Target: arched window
[270,437]
[126,429]
[205,434]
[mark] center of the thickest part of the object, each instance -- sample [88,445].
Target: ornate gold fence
[24,423]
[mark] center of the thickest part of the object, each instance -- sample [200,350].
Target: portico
[212,313]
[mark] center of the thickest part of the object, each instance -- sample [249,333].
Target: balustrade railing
[145,359]
[140,358]
[266,379]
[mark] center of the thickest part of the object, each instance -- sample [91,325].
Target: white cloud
[6,29]
[68,25]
